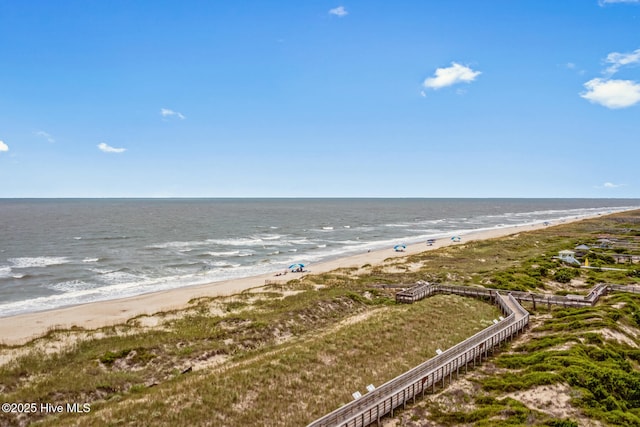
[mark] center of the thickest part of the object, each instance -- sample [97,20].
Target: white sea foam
[271,237]
[69,286]
[224,264]
[119,277]
[176,245]
[188,246]
[241,241]
[224,253]
[236,253]
[303,241]
[327,228]
[30,262]
[125,288]
[5,271]
[246,252]
[230,257]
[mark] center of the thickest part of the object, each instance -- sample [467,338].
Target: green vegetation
[573,348]
[289,353]
[280,350]
[603,371]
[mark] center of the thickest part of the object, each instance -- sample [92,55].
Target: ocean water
[60,252]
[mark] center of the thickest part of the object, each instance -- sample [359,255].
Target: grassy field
[261,359]
[287,354]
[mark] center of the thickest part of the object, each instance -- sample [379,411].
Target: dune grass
[603,371]
[292,352]
[337,340]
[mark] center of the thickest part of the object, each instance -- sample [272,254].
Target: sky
[362,98]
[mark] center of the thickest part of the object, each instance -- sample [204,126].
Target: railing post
[392,406]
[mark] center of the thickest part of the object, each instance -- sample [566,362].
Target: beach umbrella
[399,248]
[456,238]
[296,266]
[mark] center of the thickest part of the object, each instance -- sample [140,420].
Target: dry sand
[21,328]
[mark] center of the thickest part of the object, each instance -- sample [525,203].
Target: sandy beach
[16,330]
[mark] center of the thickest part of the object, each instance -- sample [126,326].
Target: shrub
[564,275]
[562,423]
[109,357]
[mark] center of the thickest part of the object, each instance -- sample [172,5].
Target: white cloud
[449,76]
[108,149]
[45,135]
[339,11]
[619,60]
[610,185]
[165,112]
[612,93]
[603,2]
[572,66]
[3,146]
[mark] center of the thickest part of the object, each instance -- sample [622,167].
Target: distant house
[604,243]
[626,258]
[581,250]
[568,257]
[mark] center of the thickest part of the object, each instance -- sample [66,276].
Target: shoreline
[22,328]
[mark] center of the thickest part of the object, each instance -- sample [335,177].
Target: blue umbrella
[399,248]
[296,266]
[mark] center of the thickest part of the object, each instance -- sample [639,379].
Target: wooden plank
[387,397]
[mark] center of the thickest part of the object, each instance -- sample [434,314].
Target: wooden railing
[624,288]
[422,290]
[383,400]
[387,397]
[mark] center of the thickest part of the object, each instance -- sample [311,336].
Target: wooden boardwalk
[371,407]
[436,371]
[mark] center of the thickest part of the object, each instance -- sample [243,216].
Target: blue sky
[495,98]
